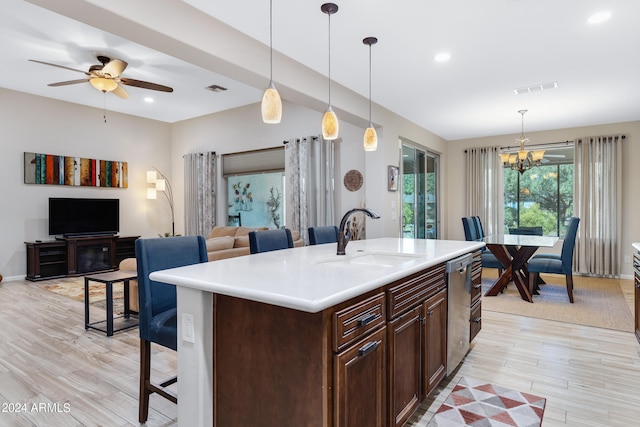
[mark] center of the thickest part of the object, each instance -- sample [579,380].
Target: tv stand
[76,256]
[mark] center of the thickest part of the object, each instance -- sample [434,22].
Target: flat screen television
[70,217]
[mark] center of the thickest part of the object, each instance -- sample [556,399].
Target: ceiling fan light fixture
[103,84]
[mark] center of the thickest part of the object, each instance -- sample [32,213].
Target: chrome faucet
[343,237]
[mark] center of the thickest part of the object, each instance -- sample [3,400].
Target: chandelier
[523,160]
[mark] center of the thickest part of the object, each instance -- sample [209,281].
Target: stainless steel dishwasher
[458,311]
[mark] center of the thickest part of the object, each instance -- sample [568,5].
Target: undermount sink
[368,258]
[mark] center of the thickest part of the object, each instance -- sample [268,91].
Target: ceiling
[496,46]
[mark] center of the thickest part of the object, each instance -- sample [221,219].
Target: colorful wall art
[66,170]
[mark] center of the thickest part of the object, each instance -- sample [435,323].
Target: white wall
[241,129]
[630,175]
[35,124]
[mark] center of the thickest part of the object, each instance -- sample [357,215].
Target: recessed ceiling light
[441,57]
[148,100]
[599,17]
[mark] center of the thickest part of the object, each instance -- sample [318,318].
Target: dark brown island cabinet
[76,256]
[369,361]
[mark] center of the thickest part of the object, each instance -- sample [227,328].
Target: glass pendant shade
[271,105]
[504,157]
[330,125]
[370,139]
[102,84]
[537,155]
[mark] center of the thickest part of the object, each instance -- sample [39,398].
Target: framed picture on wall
[392,179]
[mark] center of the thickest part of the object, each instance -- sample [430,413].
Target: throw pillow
[241,242]
[219,243]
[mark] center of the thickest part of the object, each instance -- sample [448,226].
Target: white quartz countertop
[313,278]
[636,246]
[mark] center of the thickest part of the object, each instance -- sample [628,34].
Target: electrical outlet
[188,332]
[627,259]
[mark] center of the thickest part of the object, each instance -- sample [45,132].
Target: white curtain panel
[309,170]
[484,192]
[200,193]
[598,198]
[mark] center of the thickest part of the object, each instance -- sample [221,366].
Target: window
[541,196]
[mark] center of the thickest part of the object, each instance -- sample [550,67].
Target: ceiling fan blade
[145,85]
[59,66]
[114,68]
[120,92]
[68,82]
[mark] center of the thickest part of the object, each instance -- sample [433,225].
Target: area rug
[475,403]
[597,302]
[73,288]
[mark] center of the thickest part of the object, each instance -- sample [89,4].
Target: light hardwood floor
[590,376]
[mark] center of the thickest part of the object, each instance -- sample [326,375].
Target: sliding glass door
[419,193]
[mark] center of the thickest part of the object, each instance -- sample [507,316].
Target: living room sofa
[228,242]
[223,242]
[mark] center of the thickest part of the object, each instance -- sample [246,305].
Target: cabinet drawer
[476,291]
[475,321]
[476,267]
[354,321]
[415,289]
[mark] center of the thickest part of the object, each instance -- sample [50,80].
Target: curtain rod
[315,138]
[539,146]
[202,154]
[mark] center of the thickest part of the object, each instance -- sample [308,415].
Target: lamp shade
[151,193]
[330,125]
[102,84]
[161,185]
[504,157]
[537,155]
[271,105]
[370,139]
[152,176]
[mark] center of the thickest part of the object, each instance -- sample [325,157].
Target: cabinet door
[434,339]
[360,392]
[404,366]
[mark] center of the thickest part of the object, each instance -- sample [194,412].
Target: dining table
[513,251]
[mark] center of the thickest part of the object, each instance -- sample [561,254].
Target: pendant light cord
[370,86]
[329,14]
[270,41]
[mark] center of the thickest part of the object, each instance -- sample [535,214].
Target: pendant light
[370,139]
[330,125]
[271,102]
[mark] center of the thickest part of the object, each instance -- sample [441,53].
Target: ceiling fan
[106,77]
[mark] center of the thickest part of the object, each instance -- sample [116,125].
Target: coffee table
[127,320]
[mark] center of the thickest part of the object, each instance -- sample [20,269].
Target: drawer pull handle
[477,320]
[366,319]
[478,286]
[368,347]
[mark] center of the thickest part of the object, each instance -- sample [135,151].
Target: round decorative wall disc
[353,180]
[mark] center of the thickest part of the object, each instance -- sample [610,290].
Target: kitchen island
[299,336]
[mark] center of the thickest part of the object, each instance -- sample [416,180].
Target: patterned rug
[73,288]
[475,403]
